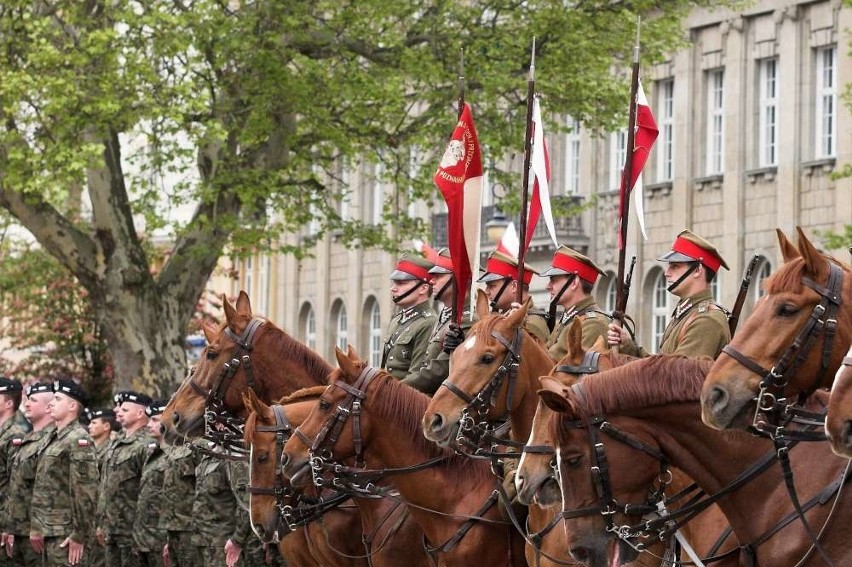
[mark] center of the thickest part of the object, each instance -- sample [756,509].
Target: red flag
[459,178]
[646,134]
[509,243]
[539,181]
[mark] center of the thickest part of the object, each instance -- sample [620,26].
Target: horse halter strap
[823,319]
[589,365]
[351,407]
[215,395]
[283,430]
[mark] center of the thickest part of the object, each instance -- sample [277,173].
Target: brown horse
[536,476]
[391,536]
[367,415]
[328,540]
[838,421]
[245,353]
[655,400]
[791,344]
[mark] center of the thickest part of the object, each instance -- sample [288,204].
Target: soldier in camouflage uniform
[501,287]
[120,481]
[572,279]
[213,511]
[176,518]
[16,516]
[148,537]
[66,484]
[102,425]
[408,334]
[698,327]
[11,393]
[445,335]
[243,545]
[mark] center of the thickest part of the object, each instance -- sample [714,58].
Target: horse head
[792,343]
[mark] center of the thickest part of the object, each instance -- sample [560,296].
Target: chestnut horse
[536,475]
[245,353]
[656,400]
[327,540]
[367,415]
[838,421]
[791,344]
[391,538]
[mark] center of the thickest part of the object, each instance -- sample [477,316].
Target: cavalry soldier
[446,335]
[572,279]
[698,327]
[408,334]
[66,484]
[16,515]
[176,518]
[11,393]
[148,537]
[120,481]
[501,287]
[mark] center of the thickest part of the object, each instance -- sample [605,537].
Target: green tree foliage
[114,113]
[47,315]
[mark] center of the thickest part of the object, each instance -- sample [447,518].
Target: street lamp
[496,226]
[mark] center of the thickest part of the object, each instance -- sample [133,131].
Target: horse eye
[487,358]
[573,462]
[787,310]
[211,355]
[324,404]
[263,457]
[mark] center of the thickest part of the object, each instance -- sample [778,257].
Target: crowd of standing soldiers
[99,487]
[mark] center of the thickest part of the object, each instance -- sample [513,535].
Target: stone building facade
[752,127]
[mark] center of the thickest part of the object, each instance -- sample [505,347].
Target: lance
[522,249]
[457,313]
[626,175]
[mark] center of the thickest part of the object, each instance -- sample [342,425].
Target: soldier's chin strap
[692,267]
[443,289]
[493,303]
[554,302]
[398,298]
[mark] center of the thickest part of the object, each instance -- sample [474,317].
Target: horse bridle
[771,400]
[473,423]
[219,425]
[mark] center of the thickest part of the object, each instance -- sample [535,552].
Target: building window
[263,275]
[618,151]
[659,310]
[345,191]
[665,143]
[378,204]
[248,280]
[768,126]
[376,343]
[715,122]
[763,272]
[826,101]
[572,157]
[342,340]
[310,328]
[715,289]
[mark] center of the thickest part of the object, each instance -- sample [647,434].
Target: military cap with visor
[71,389]
[567,261]
[9,385]
[412,267]
[689,247]
[443,262]
[500,266]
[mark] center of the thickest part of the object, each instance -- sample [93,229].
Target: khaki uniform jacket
[179,489]
[66,486]
[436,366]
[698,327]
[9,430]
[536,324]
[120,482]
[16,515]
[147,535]
[595,324]
[408,339]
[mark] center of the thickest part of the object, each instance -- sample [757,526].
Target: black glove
[453,338]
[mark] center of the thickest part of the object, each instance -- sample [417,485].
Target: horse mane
[646,382]
[304,393]
[789,276]
[404,407]
[298,352]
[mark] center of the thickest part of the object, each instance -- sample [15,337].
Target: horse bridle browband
[823,319]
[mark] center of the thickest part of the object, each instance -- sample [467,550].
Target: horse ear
[573,341]
[230,312]
[553,400]
[600,344]
[482,306]
[347,365]
[815,264]
[788,251]
[517,317]
[244,305]
[352,354]
[253,403]
[210,331]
